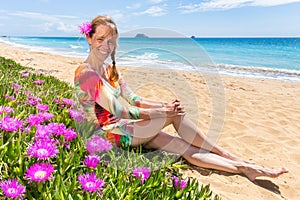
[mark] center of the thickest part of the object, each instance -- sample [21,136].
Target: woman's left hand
[178,107]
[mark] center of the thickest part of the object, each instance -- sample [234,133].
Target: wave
[75,46]
[260,72]
[151,61]
[56,51]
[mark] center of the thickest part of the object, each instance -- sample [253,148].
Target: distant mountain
[141,35]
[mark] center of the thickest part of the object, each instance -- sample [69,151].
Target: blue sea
[274,58]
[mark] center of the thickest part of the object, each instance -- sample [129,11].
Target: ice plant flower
[43,131]
[92,161]
[6,109]
[141,172]
[16,87]
[42,107]
[42,148]
[38,82]
[10,124]
[76,115]
[177,183]
[91,183]
[69,102]
[34,120]
[97,144]
[12,189]
[85,28]
[57,101]
[32,100]
[39,172]
[12,98]
[25,75]
[46,116]
[69,134]
[57,129]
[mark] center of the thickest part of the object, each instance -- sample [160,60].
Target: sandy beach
[255,119]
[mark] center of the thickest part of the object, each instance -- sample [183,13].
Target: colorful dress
[99,101]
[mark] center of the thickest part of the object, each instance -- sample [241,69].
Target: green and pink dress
[99,99]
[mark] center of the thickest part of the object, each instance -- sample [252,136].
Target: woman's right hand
[174,108]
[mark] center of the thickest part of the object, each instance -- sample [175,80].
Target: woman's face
[102,42]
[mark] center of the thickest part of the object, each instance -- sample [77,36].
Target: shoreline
[260,72]
[258,118]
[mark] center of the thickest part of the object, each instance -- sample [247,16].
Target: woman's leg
[143,131]
[199,158]
[193,135]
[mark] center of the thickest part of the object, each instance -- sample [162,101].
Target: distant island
[193,36]
[141,35]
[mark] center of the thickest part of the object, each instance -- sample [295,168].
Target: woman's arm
[171,109]
[90,82]
[135,100]
[148,103]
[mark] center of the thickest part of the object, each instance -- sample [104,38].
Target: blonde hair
[107,21]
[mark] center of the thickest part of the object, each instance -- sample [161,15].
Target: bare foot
[254,171]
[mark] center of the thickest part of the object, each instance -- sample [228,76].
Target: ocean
[273,58]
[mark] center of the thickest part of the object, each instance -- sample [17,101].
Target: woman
[99,86]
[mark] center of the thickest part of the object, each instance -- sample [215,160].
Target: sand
[255,119]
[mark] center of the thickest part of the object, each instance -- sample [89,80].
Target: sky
[201,18]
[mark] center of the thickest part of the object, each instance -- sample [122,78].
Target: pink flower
[69,134]
[91,161]
[6,109]
[42,107]
[38,82]
[34,120]
[32,100]
[57,129]
[85,28]
[90,182]
[25,75]
[142,172]
[12,98]
[42,148]
[46,116]
[97,144]
[10,124]
[16,87]
[39,172]
[177,183]
[76,115]
[69,102]
[12,189]
[43,131]
[57,101]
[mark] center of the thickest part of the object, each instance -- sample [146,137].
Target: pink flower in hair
[85,28]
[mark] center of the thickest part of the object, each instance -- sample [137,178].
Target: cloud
[155,1]
[230,4]
[134,6]
[48,23]
[41,16]
[154,11]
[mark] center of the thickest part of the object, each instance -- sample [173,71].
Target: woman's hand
[174,108]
